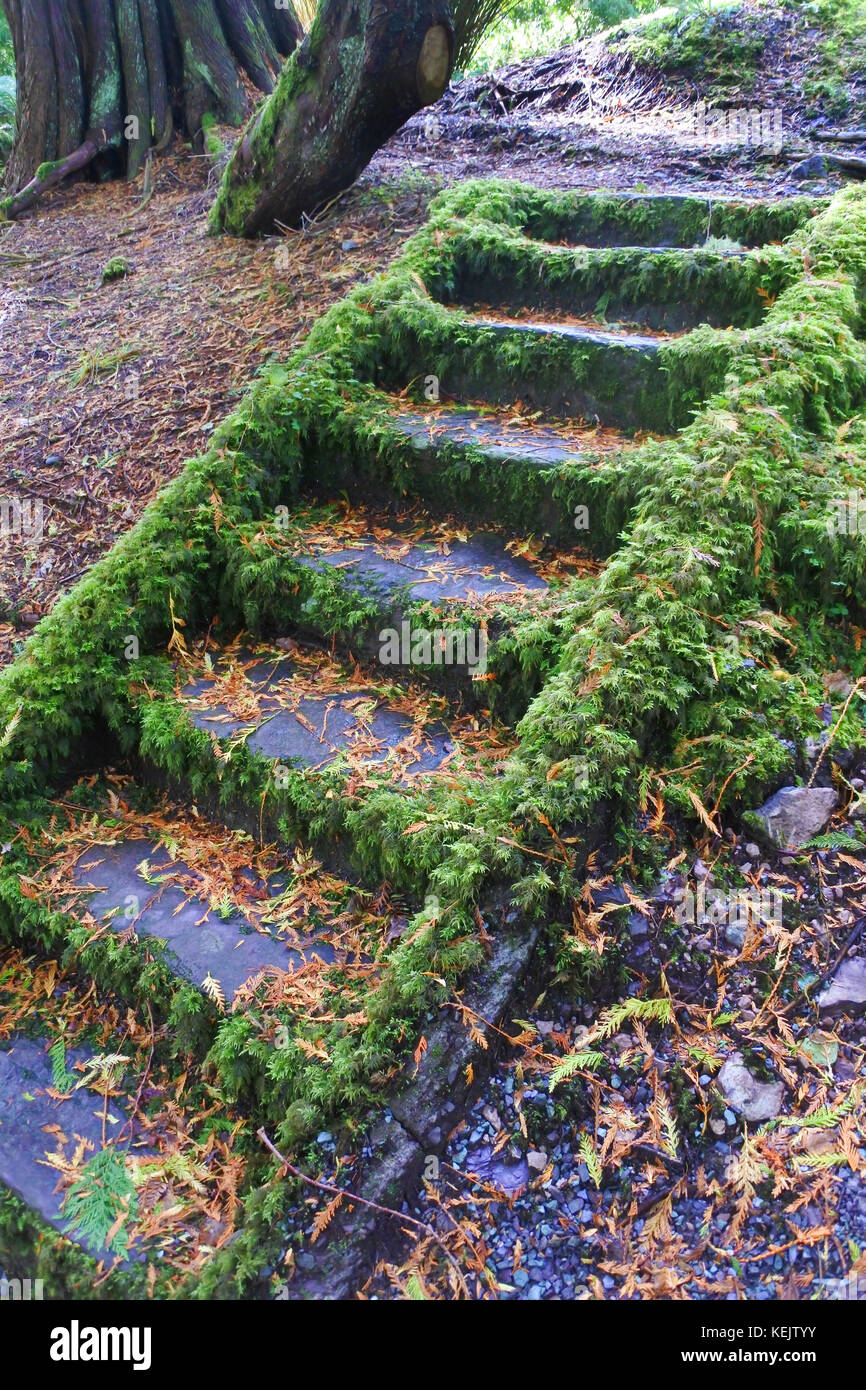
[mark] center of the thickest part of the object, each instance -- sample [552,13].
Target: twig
[855,687]
[422,1226]
[855,932]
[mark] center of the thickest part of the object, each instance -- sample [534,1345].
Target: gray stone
[26,1111]
[735,936]
[815,167]
[796,814]
[480,565]
[755,1100]
[847,987]
[200,941]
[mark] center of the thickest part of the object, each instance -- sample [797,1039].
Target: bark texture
[365,67]
[102,81]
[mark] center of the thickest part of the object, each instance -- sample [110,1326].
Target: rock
[755,1100]
[638,925]
[537,1160]
[735,936]
[752,851]
[796,814]
[848,985]
[815,167]
[718,1126]
[349,245]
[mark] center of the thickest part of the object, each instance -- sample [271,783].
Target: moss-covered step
[304,709]
[506,468]
[641,219]
[136,885]
[671,289]
[119,1168]
[405,595]
[568,368]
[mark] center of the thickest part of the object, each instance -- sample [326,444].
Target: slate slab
[25,1110]
[200,941]
[639,343]
[313,730]
[480,565]
[540,448]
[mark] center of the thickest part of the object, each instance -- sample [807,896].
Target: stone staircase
[364,603]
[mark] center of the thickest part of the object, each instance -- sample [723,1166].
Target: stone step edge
[357,1240]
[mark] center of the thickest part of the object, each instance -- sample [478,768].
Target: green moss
[688,666]
[722,48]
[116,269]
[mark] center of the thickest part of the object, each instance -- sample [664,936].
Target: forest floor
[106,388]
[107,385]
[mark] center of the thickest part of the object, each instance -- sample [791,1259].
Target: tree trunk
[102,81]
[365,67]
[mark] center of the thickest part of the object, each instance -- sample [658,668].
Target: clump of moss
[118,268]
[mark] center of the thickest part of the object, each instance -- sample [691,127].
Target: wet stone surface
[638,343]
[539,446]
[314,730]
[200,941]
[27,1111]
[478,566]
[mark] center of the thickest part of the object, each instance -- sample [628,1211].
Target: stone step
[504,439]
[594,334]
[137,885]
[499,468]
[649,287]
[306,710]
[566,369]
[605,219]
[404,588]
[667,220]
[34,1123]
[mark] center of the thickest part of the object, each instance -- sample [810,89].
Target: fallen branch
[334,1191]
[845,137]
[48,176]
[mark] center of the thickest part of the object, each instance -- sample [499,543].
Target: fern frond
[575,1061]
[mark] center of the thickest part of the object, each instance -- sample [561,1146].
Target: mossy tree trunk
[101,81]
[365,67]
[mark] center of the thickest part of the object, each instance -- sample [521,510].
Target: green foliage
[690,661]
[116,269]
[717,44]
[102,1202]
[63,1080]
